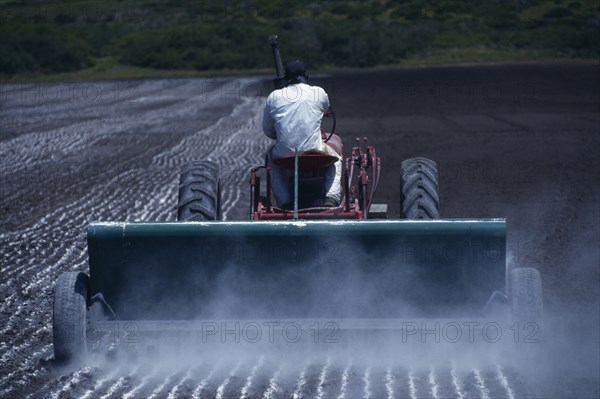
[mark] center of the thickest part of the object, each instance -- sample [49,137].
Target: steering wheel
[332,114]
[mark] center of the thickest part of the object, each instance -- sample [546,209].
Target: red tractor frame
[363,163]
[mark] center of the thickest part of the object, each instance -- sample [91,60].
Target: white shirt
[293,117]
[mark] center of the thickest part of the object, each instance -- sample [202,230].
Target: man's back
[293,116]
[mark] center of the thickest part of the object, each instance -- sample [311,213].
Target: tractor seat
[307,161]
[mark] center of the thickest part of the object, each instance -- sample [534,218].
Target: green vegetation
[136,37]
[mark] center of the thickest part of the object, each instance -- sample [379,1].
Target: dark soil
[520,142]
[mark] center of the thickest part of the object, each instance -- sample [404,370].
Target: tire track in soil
[355,386]
[204,380]
[332,384]
[186,387]
[221,379]
[308,382]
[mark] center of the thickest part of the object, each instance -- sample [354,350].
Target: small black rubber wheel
[419,189]
[69,317]
[199,192]
[526,304]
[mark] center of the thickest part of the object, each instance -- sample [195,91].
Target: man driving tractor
[292,117]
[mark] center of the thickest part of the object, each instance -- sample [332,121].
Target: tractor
[350,265]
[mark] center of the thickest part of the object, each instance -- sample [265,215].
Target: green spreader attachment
[302,270]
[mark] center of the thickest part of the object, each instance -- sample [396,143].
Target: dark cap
[295,68]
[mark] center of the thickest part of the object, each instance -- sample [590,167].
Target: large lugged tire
[69,317]
[526,301]
[199,192]
[419,187]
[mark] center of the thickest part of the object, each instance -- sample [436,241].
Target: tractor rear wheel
[419,189]
[69,317]
[199,192]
